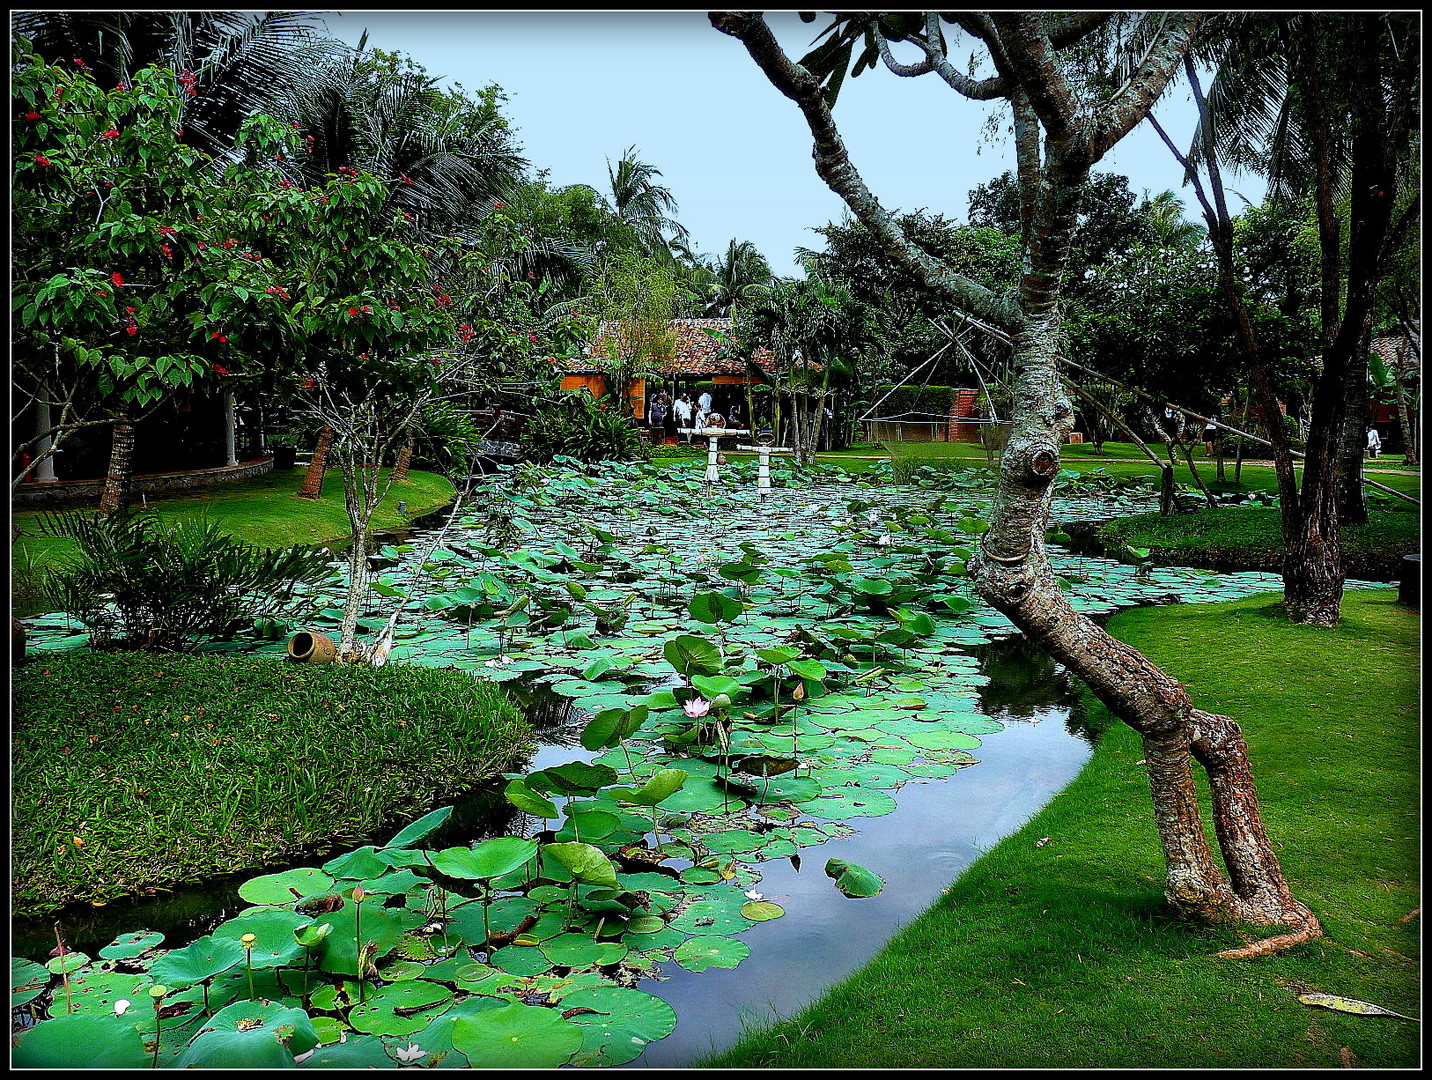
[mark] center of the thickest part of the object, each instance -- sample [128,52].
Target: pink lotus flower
[696,707]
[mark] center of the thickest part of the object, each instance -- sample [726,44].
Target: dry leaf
[1350,1005]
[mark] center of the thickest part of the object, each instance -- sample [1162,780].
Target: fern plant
[138,581]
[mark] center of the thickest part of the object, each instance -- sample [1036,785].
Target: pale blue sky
[584,86]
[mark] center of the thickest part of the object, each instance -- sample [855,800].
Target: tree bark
[405,457]
[118,486]
[313,478]
[1010,568]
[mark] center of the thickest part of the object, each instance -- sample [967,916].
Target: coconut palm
[643,204]
[236,62]
[742,274]
[449,158]
[1171,228]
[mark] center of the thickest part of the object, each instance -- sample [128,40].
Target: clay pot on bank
[307,647]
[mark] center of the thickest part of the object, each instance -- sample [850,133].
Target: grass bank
[135,772]
[264,511]
[1251,538]
[1062,954]
[1126,461]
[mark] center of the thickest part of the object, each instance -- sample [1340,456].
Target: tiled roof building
[697,353]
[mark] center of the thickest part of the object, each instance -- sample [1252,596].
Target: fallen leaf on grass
[1350,1005]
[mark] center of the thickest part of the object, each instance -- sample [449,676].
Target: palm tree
[1171,229]
[644,205]
[449,158]
[741,274]
[237,63]
[1327,103]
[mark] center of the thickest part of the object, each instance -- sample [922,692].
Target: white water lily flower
[696,707]
[121,1007]
[411,1053]
[752,894]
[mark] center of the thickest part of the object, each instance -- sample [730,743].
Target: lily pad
[617,1023]
[700,953]
[516,1037]
[81,1040]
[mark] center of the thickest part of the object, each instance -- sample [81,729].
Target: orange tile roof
[696,353]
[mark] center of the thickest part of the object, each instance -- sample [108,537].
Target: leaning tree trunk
[313,478]
[114,496]
[1011,571]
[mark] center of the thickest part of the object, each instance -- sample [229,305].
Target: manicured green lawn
[1063,954]
[134,771]
[263,511]
[1080,457]
[1252,538]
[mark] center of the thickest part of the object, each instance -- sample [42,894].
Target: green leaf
[82,1041]
[691,655]
[852,879]
[421,829]
[489,859]
[516,1037]
[251,1035]
[664,783]
[587,863]
[529,802]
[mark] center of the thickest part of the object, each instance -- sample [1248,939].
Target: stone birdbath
[764,450]
[714,434]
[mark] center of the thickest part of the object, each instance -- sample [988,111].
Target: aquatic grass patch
[132,773]
[1056,949]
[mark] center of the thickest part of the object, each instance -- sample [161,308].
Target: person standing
[703,403]
[681,409]
[1210,436]
[1374,442]
[657,413]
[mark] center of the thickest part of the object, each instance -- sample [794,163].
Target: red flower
[218,370]
[32,116]
[404,178]
[42,161]
[166,251]
[131,329]
[112,133]
[222,339]
[117,278]
[353,313]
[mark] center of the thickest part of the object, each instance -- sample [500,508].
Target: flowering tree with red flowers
[113,214]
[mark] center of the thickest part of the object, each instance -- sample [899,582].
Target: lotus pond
[760,682]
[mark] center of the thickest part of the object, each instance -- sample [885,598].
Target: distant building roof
[1396,352]
[697,352]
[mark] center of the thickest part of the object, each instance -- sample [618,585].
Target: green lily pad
[288,886]
[128,946]
[197,961]
[399,1008]
[516,1037]
[273,927]
[251,1035]
[81,1040]
[617,1023]
[762,910]
[700,953]
[852,879]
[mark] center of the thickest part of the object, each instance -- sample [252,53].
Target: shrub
[578,426]
[138,581]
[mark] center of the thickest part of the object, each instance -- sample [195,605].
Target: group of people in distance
[671,416]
